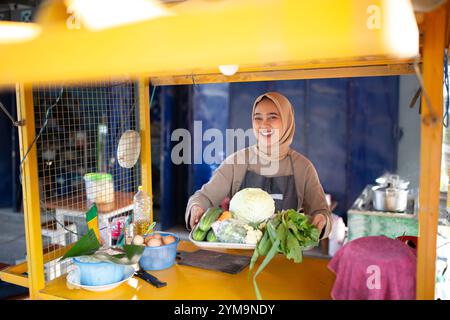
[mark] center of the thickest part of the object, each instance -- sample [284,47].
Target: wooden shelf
[79,203]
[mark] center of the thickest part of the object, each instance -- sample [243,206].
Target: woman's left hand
[319,221]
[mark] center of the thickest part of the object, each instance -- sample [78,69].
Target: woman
[271,165]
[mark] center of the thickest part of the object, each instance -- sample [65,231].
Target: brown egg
[147,239]
[157,236]
[138,240]
[154,242]
[169,239]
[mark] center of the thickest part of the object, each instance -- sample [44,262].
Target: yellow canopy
[197,36]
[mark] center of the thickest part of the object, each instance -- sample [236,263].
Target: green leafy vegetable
[272,252]
[289,233]
[264,244]
[86,246]
[294,251]
[281,234]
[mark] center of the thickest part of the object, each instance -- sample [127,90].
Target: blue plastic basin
[158,258]
[99,273]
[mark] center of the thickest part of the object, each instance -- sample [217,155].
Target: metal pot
[389,199]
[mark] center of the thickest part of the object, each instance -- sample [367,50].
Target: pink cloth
[374,268]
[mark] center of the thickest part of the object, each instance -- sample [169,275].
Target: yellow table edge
[281,280]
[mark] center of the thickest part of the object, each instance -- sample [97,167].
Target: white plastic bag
[230,231]
[337,235]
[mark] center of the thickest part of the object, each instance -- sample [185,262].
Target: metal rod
[432,116]
[14,122]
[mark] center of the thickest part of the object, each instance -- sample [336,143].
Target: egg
[157,236]
[147,239]
[168,239]
[153,242]
[138,240]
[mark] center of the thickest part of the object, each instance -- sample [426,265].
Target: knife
[144,275]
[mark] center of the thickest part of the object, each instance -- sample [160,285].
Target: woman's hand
[196,214]
[319,221]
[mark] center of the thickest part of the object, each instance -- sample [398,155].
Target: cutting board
[211,260]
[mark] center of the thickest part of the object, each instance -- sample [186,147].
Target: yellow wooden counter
[282,279]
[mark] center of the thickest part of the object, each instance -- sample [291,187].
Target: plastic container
[141,211]
[158,258]
[98,273]
[99,187]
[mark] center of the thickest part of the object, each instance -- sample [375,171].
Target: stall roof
[187,40]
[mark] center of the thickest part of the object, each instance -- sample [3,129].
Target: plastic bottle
[141,211]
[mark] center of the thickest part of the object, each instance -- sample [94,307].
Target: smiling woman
[267,122]
[273,125]
[270,164]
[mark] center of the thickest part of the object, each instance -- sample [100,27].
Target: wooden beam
[447,24]
[11,277]
[19,268]
[274,75]
[144,127]
[333,32]
[15,274]
[30,190]
[430,151]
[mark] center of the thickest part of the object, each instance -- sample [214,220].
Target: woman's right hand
[196,214]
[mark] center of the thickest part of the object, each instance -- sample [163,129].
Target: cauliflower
[253,235]
[252,205]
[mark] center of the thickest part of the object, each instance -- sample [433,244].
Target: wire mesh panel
[88,148]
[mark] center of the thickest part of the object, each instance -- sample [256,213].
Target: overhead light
[11,32]
[229,69]
[103,14]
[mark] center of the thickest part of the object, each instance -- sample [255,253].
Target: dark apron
[282,189]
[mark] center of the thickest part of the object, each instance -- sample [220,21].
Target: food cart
[186,42]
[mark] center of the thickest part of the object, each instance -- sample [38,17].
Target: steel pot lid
[392,180]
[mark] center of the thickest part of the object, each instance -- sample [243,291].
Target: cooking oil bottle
[141,211]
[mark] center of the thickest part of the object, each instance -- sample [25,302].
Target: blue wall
[176,113]
[7,191]
[211,106]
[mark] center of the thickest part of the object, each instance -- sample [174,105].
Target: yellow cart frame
[434,27]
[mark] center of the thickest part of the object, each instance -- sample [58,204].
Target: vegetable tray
[225,245]
[221,245]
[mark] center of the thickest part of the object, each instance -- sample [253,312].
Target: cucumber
[199,234]
[211,236]
[210,216]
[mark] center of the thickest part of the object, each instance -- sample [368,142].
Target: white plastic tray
[221,245]
[224,245]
